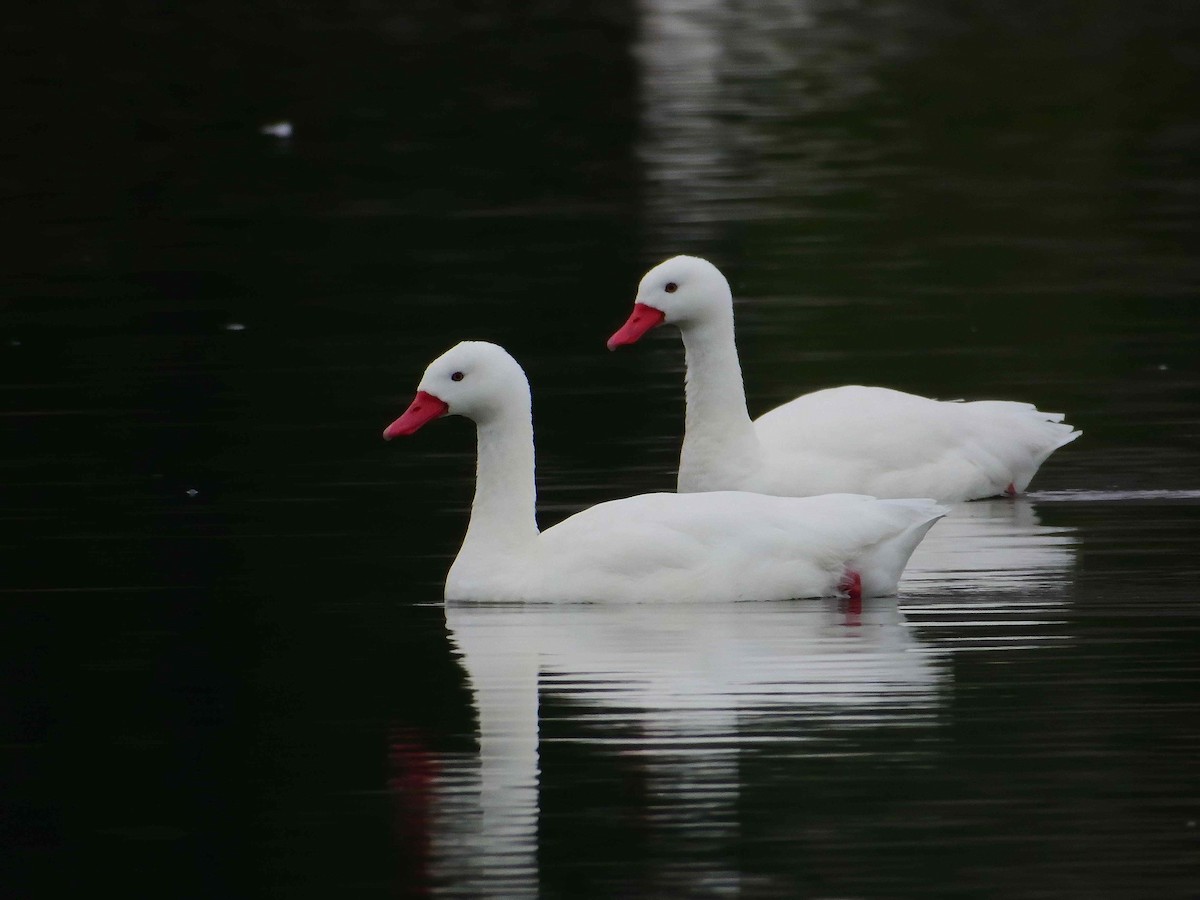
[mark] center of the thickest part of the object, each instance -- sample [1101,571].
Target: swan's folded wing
[894,444]
[720,545]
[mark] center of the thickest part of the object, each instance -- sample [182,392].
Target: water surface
[229,669]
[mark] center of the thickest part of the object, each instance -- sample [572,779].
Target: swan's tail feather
[1066,439]
[1019,438]
[882,564]
[1064,434]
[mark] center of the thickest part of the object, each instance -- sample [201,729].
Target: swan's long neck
[718,429]
[502,514]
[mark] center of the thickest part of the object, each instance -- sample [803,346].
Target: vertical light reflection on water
[713,76]
[694,155]
[684,690]
[681,146]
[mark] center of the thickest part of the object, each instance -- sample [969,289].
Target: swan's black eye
[457,376]
[672,287]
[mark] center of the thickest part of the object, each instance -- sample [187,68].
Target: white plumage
[716,546]
[868,440]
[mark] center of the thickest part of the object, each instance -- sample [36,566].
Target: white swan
[868,440]
[654,547]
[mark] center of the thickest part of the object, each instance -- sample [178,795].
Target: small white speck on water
[14,343]
[1191,823]
[1162,367]
[192,492]
[282,129]
[235,326]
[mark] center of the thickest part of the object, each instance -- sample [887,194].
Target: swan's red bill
[424,409]
[640,321]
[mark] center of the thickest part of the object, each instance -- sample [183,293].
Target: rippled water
[229,671]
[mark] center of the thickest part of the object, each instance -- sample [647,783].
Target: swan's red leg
[1011,490]
[851,585]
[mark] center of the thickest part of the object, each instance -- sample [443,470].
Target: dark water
[227,668]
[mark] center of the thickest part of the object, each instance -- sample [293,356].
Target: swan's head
[473,379]
[681,291]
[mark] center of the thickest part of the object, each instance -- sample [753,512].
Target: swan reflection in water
[697,684]
[990,546]
[684,690]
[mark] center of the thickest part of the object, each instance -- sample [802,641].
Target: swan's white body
[655,547]
[720,546]
[889,444]
[868,440]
